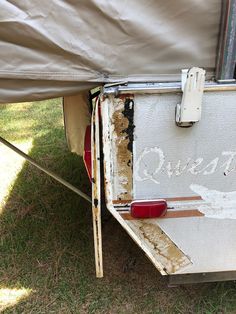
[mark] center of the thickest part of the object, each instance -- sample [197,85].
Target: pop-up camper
[160,149]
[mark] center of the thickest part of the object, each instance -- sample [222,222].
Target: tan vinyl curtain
[50,48]
[76,119]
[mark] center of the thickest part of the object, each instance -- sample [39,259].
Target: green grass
[46,241]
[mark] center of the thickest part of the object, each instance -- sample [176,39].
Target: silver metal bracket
[189,111]
[115,86]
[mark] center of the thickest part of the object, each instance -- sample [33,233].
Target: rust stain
[167,253]
[119,202]
[125,96]
[123,143]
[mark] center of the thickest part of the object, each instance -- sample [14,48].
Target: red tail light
[87,152]
[148,209]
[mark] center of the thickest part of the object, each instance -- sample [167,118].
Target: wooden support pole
[96,192]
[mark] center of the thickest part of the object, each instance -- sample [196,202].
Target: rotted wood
[122,145]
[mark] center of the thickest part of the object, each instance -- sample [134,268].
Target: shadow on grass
[47,246]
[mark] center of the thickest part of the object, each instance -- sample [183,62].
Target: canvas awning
[54,48]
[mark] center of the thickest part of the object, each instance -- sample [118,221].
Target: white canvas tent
[56,48]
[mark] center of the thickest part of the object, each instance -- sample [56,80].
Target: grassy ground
[46,248]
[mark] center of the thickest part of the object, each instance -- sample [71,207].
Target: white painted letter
[228,163]
[148,173]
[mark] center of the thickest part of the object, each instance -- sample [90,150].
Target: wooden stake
[96,192]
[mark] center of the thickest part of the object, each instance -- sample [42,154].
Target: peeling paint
[122,121]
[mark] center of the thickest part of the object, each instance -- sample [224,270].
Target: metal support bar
[48,172]
[226,59]
[162,88]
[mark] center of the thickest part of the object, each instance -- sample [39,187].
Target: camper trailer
[158,137]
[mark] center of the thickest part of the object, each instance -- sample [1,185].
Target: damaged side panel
[121,115]
[118,131]
[193,169]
